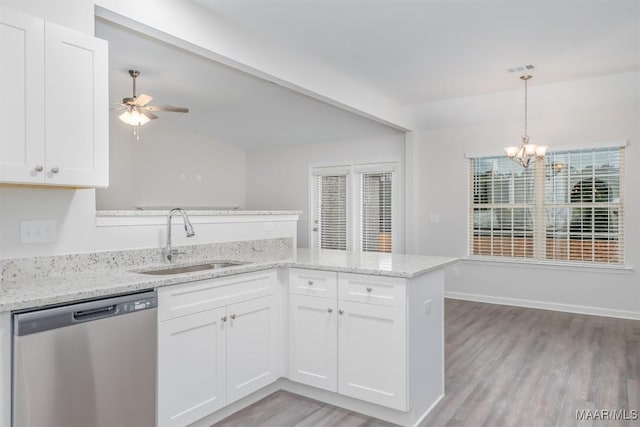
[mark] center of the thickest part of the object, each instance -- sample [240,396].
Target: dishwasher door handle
[95,313]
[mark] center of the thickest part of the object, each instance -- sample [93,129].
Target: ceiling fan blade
[149,115]
[142,100]
[170,108]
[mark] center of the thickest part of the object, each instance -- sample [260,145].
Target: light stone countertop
[27,293]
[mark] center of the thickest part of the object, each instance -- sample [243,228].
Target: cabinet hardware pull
[315,228]
[369,289]
[38,168]
[310,282]
[329,310]
[55,169]
[233,317]
[224,319]
[340,311]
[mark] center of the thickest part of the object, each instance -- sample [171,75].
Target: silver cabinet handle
[340,311]
[38,168]
[55,169]
[329,310]
[310,282]
[315,228]
[369,289]
[233,317]
[224,319]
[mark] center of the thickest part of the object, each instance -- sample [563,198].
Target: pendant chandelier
[527,152]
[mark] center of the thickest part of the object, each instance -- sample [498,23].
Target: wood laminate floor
[505,366]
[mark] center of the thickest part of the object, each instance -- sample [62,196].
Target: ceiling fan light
[133,118]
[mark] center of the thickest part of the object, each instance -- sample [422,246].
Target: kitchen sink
[191,268]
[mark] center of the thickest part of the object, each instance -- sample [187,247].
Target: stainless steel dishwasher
[91,364]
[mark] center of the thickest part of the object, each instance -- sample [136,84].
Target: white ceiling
[411,52]
[421,51]
[225,104]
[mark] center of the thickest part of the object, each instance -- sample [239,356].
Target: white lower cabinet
[313,341]
[252,328]
[192,353]
[372,354]
[357,349]
[210,358]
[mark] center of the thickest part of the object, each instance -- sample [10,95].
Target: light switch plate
[427,307]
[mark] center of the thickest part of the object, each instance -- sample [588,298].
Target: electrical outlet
[268,226]
[434,218]
[38,231]
[455,271]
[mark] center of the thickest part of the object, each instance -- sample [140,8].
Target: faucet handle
[173,252]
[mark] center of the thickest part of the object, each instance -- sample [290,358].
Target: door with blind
[331,208]
[354,207]
[376,212]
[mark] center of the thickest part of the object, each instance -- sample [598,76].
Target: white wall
[162,169]
[279,178]
[572,114]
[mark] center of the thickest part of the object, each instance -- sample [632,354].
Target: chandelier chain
[525,106]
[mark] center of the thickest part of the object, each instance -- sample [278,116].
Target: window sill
[567,266]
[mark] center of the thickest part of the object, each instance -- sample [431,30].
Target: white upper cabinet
[22,95]
[54,125]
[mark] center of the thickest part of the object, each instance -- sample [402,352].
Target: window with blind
[567,208]
[376,211]
[502,208]
[331,211]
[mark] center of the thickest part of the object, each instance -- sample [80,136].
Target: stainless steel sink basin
[192,268]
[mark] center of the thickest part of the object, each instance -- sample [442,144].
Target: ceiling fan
[137,109]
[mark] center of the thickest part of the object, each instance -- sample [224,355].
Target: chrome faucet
[188,229]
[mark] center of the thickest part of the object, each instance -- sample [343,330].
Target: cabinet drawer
[181,300]
[390,291]
[313,282]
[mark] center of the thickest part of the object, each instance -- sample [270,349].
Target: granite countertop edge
[190,212]
[25,294]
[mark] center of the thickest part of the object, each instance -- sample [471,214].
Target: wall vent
[520,68]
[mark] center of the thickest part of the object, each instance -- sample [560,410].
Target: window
[567,208]
[354,214]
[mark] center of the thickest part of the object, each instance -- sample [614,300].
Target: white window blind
[503,210]
[583,201]
[568,207]
[330,221]
[376,203]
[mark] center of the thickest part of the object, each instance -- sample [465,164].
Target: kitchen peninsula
[362,331]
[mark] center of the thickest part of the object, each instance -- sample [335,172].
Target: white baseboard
[544,305]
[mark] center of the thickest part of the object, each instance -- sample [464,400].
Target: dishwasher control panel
[141,304]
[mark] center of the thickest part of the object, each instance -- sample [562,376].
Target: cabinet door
[191,367]
[251,346]
[22,95]
[372,354]
[313,341]
[76,108]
